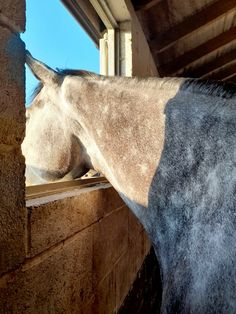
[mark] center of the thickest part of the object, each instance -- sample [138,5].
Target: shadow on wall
[145,294]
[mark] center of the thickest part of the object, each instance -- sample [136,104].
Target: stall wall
[12,127]
[83,254]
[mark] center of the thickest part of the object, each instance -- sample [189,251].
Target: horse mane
[198,86]
[81,73]
[212,88]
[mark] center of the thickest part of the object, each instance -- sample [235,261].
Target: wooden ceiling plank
[224,73]
[85,14]
[212,65]
[147,5]
[191,23]
[231,79]
[193,55]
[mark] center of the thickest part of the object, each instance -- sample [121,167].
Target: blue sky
[56,38]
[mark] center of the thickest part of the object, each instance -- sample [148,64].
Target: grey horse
[168,147]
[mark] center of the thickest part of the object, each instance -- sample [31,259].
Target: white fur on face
[50,147]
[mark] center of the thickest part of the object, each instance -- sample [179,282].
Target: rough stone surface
[139,244]
[110,242]
[105,298]
[14,11]
[12,88]
[134,225]
[112,200]
[53,222]
[123,277]
[12,209]
[91,266]
[58,283]
[144,296]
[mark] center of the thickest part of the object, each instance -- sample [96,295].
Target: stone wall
[145,294]
[83,254]
[12,127]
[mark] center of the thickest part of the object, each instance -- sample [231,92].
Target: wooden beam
[212,65]
[191,23]
[146,5]
[36,191]
[189,57]
[224,73]
[87,17]
[231,79]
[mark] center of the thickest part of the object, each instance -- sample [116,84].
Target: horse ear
[41,70]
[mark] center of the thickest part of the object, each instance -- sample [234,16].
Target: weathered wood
[198,52]
[191,23]
[224,73]
[59,187]
[84,12]
[145,5]
[211,65]
[231,79]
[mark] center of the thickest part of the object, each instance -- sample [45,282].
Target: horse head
[52,150]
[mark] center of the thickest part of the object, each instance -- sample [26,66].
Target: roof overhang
[86,15]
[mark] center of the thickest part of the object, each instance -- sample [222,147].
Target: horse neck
[123,123]
[126,124]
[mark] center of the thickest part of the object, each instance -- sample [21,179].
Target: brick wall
[83,254]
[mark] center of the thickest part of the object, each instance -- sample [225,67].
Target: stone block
[123,277]
[139,243]
[136,231]
[146,243]
[136,252]
[105,298]
[110,242]
[12,88]
[13,12]
[113,201]
[86,309]
[53,222]
[58,281]
[144,297]
[12,208]
[135,227]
